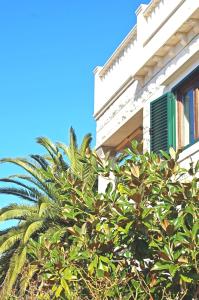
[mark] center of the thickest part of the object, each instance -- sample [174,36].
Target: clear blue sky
[48,51]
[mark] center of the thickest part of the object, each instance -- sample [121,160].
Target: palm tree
[47,188]
[82,163]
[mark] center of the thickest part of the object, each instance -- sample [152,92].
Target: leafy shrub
[138,240]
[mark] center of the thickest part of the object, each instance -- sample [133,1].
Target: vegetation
[46,190]
[138,240]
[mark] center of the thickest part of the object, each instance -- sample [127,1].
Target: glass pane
[196,109]
[188,118]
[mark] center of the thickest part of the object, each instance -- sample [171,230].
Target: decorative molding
[171,52]
[97,69]
[130,38]
[158,60]
[163,22]
[182,37]
[140,79]
[193,22]
[151,7]
[195,25]
[140,9]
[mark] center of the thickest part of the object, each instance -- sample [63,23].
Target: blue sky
[48,51]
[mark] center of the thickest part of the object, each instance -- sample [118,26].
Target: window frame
[187,85]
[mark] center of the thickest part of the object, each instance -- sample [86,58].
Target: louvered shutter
[162,114]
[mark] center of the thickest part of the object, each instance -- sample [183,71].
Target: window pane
[188,118]
[196,109]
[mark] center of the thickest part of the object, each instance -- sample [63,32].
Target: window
[166,121]
[188,110]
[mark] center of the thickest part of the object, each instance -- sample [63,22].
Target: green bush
[138,240]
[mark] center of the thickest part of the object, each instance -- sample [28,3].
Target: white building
[149,88]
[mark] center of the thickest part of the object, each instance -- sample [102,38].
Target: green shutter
[163,128]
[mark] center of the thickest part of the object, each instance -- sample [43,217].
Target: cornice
[150,8]
[127,40]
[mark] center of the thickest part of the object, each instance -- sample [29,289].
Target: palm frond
[19,183]
[85,144]
[32,228]
[48,145]
[44,207]
[73,156]
[25,280]
[4,263]
[52,148]
[89,176]
[16,264]
[73,149]
[39,176]
[73,139]
[40,160]
[22,193]
[15,211]
[27,166]
[64,165]
[29,179]
[44,186]
[8,243]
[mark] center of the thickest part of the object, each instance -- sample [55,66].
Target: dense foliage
[45,191]
[138,240]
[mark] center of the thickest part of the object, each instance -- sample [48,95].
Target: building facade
[149,88]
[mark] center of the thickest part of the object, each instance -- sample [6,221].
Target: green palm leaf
[41,161]
[8,243]
[85,144]
[15,211]
[32,228]
[22,193]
